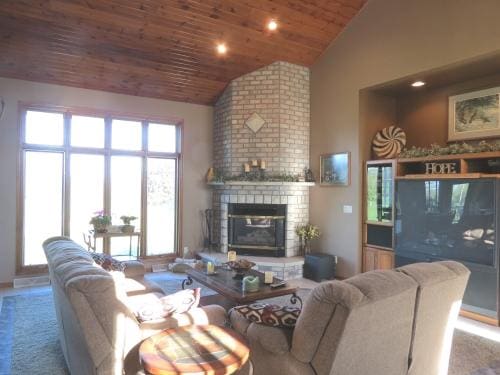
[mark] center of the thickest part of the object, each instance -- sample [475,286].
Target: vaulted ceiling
[162,48]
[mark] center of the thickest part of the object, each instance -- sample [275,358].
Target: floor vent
[25,282]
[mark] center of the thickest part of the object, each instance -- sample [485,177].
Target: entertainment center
[413,215]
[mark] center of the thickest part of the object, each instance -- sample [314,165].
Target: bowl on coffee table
[240,267]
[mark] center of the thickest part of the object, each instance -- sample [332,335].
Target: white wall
[197,152]
[388,40]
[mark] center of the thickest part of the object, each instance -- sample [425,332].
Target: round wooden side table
[196,349]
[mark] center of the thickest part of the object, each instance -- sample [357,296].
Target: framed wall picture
[335,169]
[474,115]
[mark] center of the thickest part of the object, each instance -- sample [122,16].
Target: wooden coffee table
[231,290]
[193,350]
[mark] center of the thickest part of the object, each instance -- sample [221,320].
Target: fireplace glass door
[256,229]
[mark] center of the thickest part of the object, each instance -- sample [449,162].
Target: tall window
[74,164]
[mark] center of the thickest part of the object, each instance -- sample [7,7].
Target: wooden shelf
[384,224]
[477,155]
[262,183]
[442,176]
[378,247]
[375,258]
[467,166]
[447,176]
[115,234]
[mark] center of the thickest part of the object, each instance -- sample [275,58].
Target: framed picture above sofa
[474,115]
[335,169]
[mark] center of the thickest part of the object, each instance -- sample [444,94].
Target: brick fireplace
[263,115]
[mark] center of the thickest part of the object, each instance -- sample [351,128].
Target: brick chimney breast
[263,115]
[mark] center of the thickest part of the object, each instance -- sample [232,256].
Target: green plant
[261,176]
[307,232]
[100,219]
[128,219]
[452,149]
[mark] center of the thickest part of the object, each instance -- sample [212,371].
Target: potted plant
[127,227]
[100,221]
[307,233]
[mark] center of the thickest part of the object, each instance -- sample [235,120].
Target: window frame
[67,150]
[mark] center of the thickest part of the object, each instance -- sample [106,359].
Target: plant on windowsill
[100,221]
[307,233]
[127,227]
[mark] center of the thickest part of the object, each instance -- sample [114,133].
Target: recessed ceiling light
[221,49]
[272,25]
[418,84]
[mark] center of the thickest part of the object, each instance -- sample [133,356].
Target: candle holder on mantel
[255,170]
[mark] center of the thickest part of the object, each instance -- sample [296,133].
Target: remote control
[278,284]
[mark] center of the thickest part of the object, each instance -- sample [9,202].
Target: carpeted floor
[474,355]
[29,336]
[29,339]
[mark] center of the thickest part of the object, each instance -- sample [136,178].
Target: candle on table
[231,256]
[210,267]
[255,163]
[247,167]
[262,164]
[268,277]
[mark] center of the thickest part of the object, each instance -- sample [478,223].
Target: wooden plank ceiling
[161,48]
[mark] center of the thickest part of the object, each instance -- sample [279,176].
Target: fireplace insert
[257,229]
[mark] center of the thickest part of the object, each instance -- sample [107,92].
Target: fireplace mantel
[260,183]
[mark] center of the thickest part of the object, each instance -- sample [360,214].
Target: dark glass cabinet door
[379,192]
[452,219]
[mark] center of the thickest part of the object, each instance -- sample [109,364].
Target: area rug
[29,341]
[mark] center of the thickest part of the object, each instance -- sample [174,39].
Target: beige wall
[197,152]
[389,39]
[424,117]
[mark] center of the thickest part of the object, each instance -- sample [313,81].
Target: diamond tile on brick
[255,122]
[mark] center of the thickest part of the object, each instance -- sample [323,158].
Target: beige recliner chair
[379,323]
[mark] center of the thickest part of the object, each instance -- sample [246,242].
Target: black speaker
[318,266]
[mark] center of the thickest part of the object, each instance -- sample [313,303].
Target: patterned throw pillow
[270,315]
[107,262]
[176,303]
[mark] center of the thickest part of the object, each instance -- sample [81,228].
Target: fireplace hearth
[257,229]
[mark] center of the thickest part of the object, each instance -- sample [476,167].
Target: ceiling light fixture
[272,25]
[221,49]
[418,84]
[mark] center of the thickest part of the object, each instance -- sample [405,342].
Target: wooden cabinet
[369,259]
[378,229]
[377,259]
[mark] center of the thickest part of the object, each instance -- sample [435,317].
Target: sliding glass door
[43,203]
[86,192]
[161,205]
[73,165]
